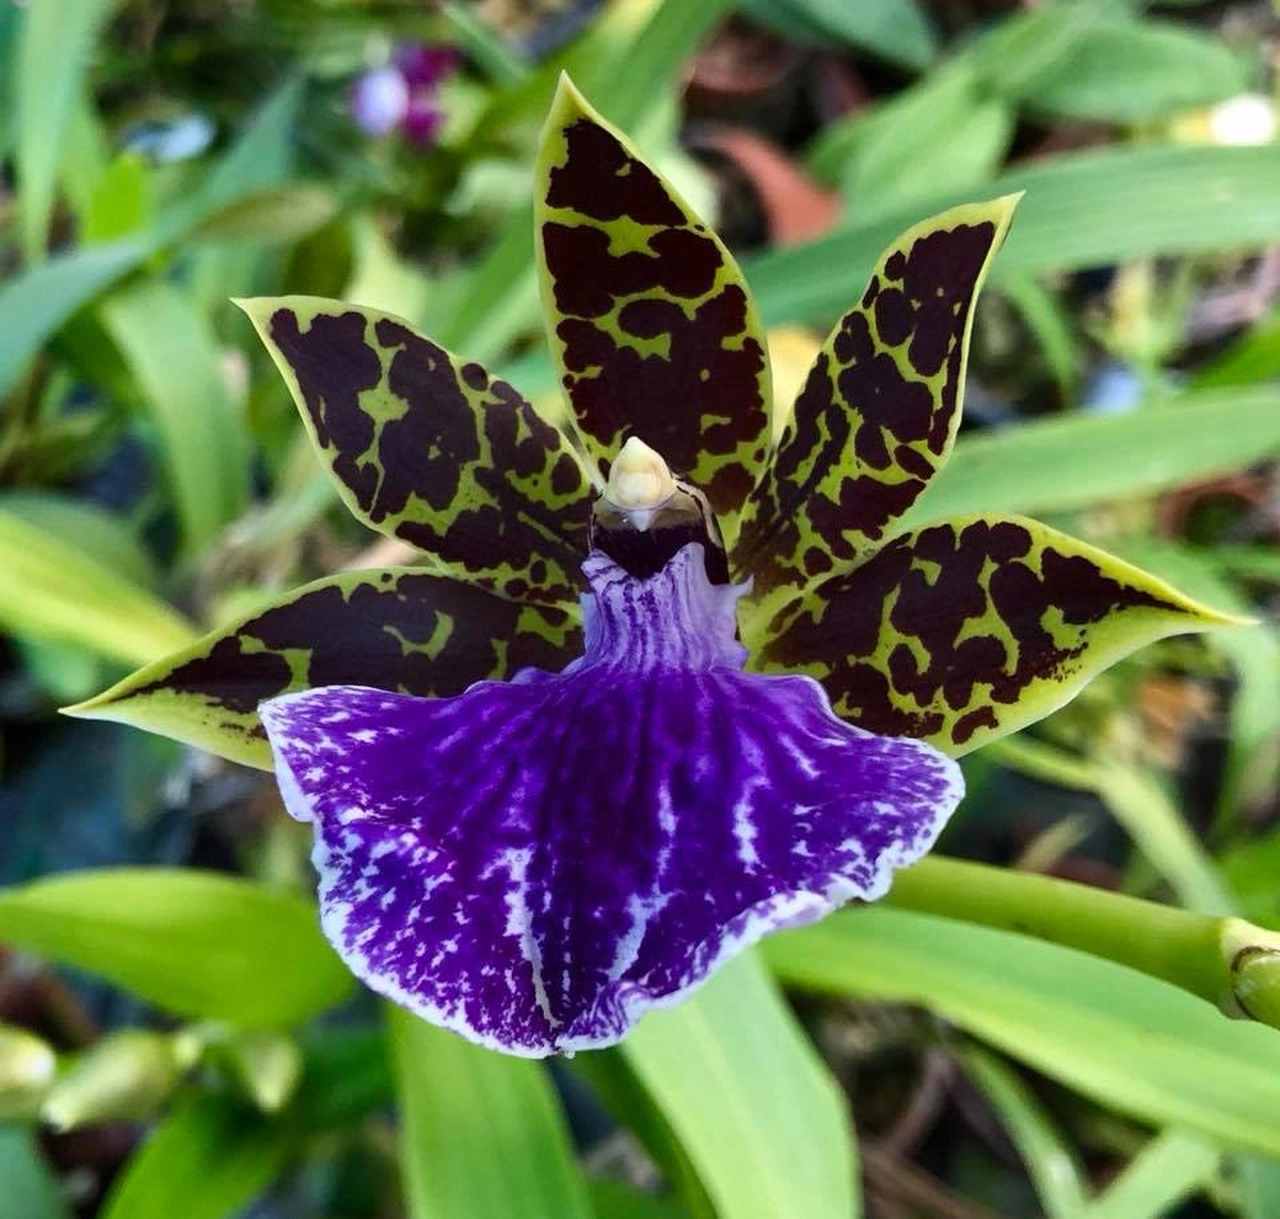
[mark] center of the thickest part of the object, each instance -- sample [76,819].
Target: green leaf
[274,214]
[896,30]
[1135,1044]
[648,318]
[757,1113]
[395,628]
[1253,745]
[945,132]
[79,523]
[1169,1169]
[1253,357]
[1259,1186]
[193,943]
[174,357]
[55,45]
[36,303]
[121,202]
[483,45]
[26,1183]
[208,1159]
[482,1136]
[1079,211]
[1050,322]
[1163,444]
[52,589]
[614,1081]
[968,629]
[1050,1161]
[1142,805]
[1121,70]
[613,1200]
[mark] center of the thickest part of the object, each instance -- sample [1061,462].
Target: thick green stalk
[1228,961]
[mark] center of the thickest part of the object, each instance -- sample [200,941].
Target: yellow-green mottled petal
[398,628]
[880,408]
[648,315]
[969,629]
[429,448]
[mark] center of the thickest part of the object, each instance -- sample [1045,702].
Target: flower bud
[126,1075]
[27,1067]
[267,1066]
[1252,957]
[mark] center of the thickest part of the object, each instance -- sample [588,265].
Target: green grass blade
[36,303]
[1142,805]
[1164,444]
[1135,1044]
[52,589]
[195,943]
[482,1135]
[1050,1162]
[896,30]
[55,45]
[173,355]
[1081,210]
[207,1160]
[26,1182]
[1169,1169]
[763,1123]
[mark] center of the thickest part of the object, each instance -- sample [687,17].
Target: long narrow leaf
[1163,445]
[1050,1163]
[1138,1045]
[51,588]
[482,1135]
[173,356]
[36,303]
[1171,1167]
[53,57]
[207,1160]
[763,1123]
[1082,210]
[194,943]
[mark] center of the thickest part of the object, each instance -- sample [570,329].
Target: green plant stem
[1228,961]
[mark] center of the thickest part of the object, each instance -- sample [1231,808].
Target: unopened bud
[126,1075]
[267,1066]
[27,1068]
[1252,955]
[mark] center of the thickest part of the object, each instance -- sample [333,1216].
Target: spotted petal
[881,405]
[970,629]
[429,448]
[648,315]
[397,628]
[535,863]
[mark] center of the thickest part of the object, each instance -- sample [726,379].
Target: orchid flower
[668,684]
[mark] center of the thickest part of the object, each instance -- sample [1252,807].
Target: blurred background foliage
[175,1039]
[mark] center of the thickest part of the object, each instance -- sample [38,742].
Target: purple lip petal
[535,863]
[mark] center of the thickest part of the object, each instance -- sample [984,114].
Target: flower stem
[1226,960]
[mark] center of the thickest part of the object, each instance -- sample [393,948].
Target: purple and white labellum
[535,863]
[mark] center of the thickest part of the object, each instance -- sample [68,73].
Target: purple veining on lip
[535,863]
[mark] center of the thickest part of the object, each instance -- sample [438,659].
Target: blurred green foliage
[160,159]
